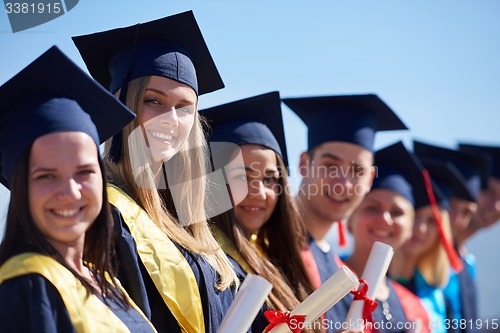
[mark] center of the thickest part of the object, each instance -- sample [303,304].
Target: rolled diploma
[323,298]
[245,306]
[375,269]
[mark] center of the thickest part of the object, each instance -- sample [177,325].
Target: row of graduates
[162,255]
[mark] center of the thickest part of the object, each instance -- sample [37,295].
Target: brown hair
[21,234]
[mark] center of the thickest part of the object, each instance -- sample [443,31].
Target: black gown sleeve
[30,304]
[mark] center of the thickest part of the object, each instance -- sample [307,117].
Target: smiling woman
[55,261]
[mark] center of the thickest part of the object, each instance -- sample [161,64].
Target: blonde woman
[178,273]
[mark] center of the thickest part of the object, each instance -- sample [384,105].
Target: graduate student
[337,170]
[424,263]
[263,233]
[56,271]
[179,274]
[461,290]
[386,215]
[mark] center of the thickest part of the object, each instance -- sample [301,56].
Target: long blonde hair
[434,264]
[133,174]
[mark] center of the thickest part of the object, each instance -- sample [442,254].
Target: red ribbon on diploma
[370,305]
[276,317]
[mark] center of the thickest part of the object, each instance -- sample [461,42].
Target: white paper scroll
[323,298]
[245,306]
[375,269]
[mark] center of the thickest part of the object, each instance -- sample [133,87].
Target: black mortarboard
[398,170]
[171,47]
[474,168]
[448,178]
[421,192]
[349,118]
[492,152]
[52,94]
[255,120]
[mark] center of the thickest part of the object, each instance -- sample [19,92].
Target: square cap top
[255,120]
[448,178]
[493,152]
[474,168]
[347,118]
[53,94]
[171,47]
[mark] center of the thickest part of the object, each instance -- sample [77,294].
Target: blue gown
[433,300]
[138,283]
[260,322]
[30,303]
[327,266]
[461,295]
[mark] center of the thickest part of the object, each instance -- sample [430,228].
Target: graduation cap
[491,151]
[347,118]
[255,120]
[448,178]
[474,168]
[52,94]
[398,170]
[401,171]
[171,47]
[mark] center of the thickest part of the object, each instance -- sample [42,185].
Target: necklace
[386,310]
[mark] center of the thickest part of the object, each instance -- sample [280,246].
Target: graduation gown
[433,300]
[175,287]
[326,264]
[403,306]
[40,295]
[461,295]
[241,268]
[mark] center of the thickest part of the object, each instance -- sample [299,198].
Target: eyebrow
[160,92]
[335,157]
[83,166]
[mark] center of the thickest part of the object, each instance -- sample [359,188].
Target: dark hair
[282,238]
[21,235]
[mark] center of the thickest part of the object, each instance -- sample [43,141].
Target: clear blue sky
[436,63]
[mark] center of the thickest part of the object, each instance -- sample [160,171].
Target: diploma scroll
[375,269]
[323,298]
[246,305]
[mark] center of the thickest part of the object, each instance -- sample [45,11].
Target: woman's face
[167,116]
[65,186]
[383,216]
[425,233]
[262,177]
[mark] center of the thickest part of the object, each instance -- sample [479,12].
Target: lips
[160,136]
[252,209]
[66,212]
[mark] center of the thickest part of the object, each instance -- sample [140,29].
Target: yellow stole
[230,249]
[88,314]
[173,277]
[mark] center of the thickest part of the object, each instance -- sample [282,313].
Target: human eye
[44,176]
[270,181]
[152,101]
[185,110]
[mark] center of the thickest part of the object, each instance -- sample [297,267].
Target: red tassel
[369,306]
[276,317]
[455,261]
[342,234]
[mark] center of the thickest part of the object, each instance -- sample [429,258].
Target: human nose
[69,190]
[257,189]
[170,118]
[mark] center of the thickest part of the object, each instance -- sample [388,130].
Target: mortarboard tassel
[342,234]
[455,261]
